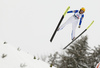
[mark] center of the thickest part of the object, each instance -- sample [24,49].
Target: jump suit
[74,21]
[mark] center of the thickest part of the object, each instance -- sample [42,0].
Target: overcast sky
[29,24]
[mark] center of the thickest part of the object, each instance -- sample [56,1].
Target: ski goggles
[82,11]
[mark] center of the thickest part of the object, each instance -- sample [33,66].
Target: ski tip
[93,21]
[68,7]
[90,24]
[66,11]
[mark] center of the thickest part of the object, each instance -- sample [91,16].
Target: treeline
[77,55]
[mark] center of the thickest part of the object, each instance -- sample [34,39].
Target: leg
[74,25]
[67,22]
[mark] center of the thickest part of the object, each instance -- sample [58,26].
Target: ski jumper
[74,21]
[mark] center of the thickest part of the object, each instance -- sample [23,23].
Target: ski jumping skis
[59,23]
[78,35]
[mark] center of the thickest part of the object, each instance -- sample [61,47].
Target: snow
[16,58]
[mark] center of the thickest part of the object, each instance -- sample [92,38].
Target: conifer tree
[76,55]
[94,57]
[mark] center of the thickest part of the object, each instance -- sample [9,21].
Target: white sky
[29,24]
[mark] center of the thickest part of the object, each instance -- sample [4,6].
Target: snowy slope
[18,59]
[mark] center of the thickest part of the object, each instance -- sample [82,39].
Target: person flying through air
[78,14]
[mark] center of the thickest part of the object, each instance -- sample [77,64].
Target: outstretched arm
[75,11]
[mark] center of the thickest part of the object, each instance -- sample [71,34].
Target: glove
[79,26]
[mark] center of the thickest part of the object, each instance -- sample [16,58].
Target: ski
[79,35]
[59,23]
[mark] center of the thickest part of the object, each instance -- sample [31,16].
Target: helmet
[83,9]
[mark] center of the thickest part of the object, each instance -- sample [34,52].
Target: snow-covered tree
[76,55]
[53,59]
[94,57]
